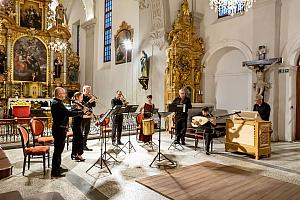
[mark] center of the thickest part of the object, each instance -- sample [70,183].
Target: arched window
[107,30]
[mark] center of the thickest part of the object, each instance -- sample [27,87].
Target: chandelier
[58,45]
[232,6]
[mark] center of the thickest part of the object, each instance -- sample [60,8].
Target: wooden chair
[29,151]
[173,128]
[69,135]
[139,120]
[37,130]
[105,129]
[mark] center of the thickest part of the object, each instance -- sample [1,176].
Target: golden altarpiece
[184,53]
[35,55]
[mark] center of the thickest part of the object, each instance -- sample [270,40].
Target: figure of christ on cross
[261,66]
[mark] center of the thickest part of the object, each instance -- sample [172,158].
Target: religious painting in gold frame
[29,60]
[125,33]
[31,15]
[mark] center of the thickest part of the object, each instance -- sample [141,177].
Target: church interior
[149,99]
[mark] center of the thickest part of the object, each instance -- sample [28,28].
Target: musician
[262,107]
[147,110]
[89,101]
[60,116]
[77,142]
[117,118]
[181,117]
[208,128]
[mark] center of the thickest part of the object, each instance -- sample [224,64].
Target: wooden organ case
[247,133]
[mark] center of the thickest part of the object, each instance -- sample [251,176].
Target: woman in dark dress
[147,110]
[77,143]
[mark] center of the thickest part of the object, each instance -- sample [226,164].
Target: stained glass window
[107,30]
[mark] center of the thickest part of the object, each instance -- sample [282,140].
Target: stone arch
[291,51]
[228,43]
[89,7]
[212,74]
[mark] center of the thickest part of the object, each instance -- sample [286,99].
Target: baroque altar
[184,56]
[35,55]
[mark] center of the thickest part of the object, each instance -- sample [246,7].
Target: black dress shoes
[207,153]
[120,143]
[57,174]
[183,142]
[176,142]
[62,170]
[79,159]
[87,149]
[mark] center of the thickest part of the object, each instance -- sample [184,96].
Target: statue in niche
[60,14]
[58,64]
[145,67]
[2,59]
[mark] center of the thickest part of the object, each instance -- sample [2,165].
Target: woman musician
[146,110]
[77,143]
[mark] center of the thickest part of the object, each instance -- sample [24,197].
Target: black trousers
[209,134]
[181,126]
[117,127]
[86,125]
[59,135]
[77,142]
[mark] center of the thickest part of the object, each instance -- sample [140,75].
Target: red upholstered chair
[29,151]
[105,129]
[21,111]
[37,129]
[139,120]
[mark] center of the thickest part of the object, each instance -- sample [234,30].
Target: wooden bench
[5,165]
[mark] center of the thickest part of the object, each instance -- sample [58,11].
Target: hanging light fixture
[233,6]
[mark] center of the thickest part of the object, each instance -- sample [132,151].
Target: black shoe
[120,143]
[73,156]
[62,170]
[56,174]
[79,159]
[207,153]
[87,149]
[183,142]
[176,142]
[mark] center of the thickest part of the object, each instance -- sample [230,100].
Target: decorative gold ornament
[185,53]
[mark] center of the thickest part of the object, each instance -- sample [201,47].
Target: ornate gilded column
[51,70]
[8,50]
[65,67]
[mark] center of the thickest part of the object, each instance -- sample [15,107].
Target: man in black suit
[182,116]
[60,116]
[117,118]
[262,108]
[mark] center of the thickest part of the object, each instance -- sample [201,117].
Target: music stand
[118,110]
[177,108]
[159,154]
[130,109]
[102,157]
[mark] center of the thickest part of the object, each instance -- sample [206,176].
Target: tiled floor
[284,164]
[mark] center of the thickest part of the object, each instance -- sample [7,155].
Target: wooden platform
[212,181]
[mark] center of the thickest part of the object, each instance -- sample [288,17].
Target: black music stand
[177,108]
[102,157]
[118,110]
[159,154]
[130,109]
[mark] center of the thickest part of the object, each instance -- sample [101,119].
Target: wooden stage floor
[212,181]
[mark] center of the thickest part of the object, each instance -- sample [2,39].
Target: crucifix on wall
[260,66]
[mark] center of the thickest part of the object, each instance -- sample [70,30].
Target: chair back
[174,119]
[105,122]
[37,127]
[139,118]
[24,137]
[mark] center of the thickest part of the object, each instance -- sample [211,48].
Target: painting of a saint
[2,59]
[124,35]
[31,16]
[30,60]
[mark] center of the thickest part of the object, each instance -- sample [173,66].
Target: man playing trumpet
[117,118]
[89,101]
